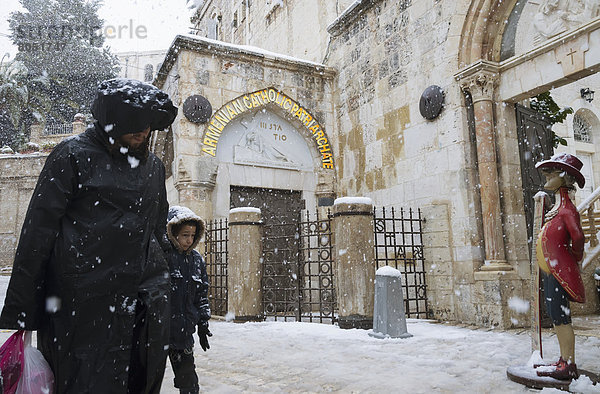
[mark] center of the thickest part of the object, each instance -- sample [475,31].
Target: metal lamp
[587,94]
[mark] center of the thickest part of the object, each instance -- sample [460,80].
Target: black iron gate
[298,264]
[399,244]
[216,265]
[535,144]
[298,280]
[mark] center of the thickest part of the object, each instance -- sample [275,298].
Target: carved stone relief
[264,139]
[542,20]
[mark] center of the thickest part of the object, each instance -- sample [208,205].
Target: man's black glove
[203,334]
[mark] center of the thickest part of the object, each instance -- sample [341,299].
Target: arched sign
[254,100]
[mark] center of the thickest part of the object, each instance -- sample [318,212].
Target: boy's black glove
[203,334]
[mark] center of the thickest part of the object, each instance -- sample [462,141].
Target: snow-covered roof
[195,42]
[348,15]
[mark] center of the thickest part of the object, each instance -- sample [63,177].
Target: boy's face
[186,236]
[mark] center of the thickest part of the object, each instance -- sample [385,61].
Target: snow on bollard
[389,319]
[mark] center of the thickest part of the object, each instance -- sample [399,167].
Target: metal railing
[216,265]
[399,244]
[590,221]
[58,129]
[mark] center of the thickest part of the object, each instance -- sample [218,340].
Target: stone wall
[222,72]
[18,177]
[291,27]
[387,54]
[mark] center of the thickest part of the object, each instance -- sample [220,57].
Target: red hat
[566,162]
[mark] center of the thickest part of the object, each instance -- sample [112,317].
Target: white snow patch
[518,305]
[353,200]
[229,316]
[182,213]
[133,162]
[244,209]
[387,271]
[52,304]
[244,48]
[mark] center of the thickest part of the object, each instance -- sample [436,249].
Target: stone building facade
[358,71]
[314,100]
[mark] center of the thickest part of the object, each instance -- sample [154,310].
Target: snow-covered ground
[309,357]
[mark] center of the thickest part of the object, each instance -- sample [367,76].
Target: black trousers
[186,379]
[557,300]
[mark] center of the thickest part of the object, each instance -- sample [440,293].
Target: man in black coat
[89,272]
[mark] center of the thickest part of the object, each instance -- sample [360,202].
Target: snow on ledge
[388,271]
[245,209]
[353,200]
[247,49]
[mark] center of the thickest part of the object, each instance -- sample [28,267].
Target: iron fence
[298,280]
[58,129]
[216,264]
[316,259]
[399,244]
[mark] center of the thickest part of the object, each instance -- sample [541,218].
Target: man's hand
[203,334]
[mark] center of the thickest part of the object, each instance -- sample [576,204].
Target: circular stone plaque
[197,109]
[432,102]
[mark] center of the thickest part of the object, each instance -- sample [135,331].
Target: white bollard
[389,319]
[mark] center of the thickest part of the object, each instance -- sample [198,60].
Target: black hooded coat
[189,281]
[90,273]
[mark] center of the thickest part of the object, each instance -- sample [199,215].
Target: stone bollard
[389,319]
[244,268]
[355,269]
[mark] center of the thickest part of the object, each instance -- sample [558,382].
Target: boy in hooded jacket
[189,296]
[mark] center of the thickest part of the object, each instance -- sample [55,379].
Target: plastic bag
[37,377]
[11,361]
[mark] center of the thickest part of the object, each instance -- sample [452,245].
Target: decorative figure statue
[559,250]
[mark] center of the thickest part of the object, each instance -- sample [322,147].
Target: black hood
[125,106]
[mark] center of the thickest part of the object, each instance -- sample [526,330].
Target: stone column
[355,270]
[244,268]
[480,85]
[195,182]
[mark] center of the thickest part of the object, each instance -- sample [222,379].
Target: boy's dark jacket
[189,282]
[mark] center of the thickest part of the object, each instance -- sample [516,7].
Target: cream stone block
[437,239]
[437,162]
[462,272]
[426,185]
[509,84]
[439,269]
[8,210]
[467,252]
[441,303]
[530,77]
[374,156]
[440,283]
[549,69]
[592,56]
[418,138]
[437,255]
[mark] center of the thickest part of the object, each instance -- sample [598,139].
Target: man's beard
[140,152]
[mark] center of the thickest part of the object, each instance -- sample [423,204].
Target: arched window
[582,128]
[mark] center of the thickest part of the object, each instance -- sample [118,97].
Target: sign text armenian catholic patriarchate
[251,101]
